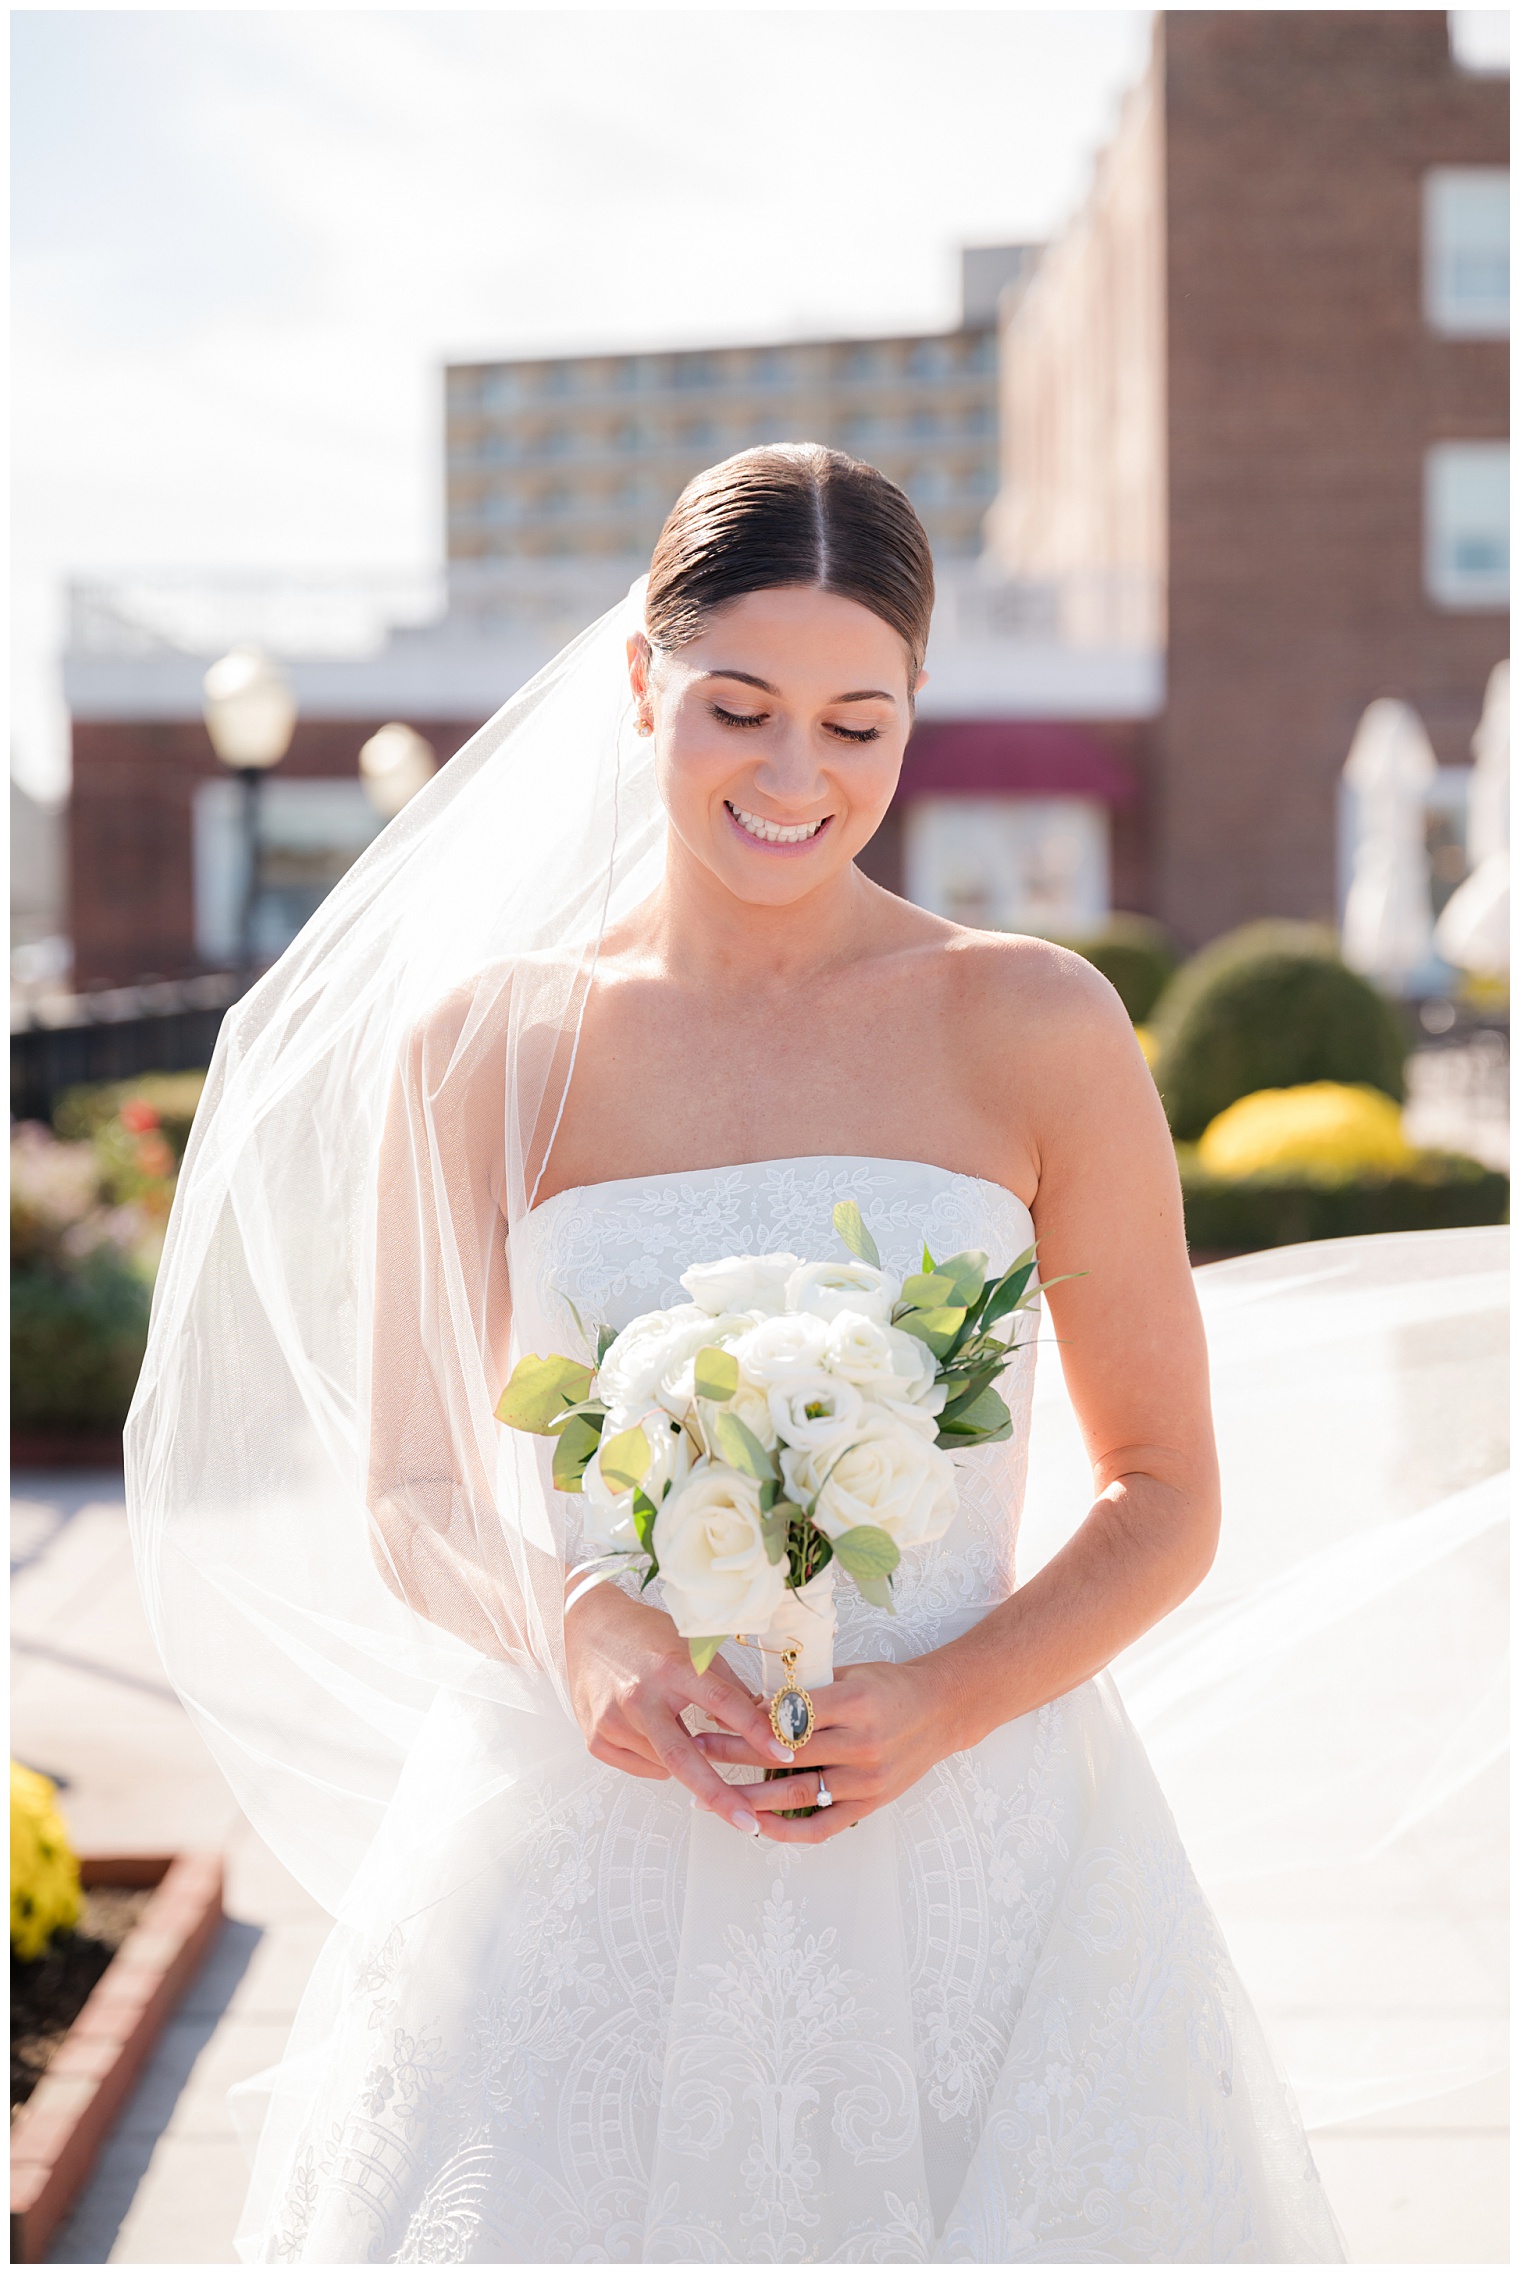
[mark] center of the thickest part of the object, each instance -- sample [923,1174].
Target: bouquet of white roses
[791,1414]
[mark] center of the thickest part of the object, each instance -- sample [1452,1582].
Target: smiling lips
[771,832]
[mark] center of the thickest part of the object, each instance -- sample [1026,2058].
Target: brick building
[1261,387]
[1253,475]
[1019,735]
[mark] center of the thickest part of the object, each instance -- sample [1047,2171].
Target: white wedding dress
[567,2017]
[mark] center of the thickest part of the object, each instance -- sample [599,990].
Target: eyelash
[757,718]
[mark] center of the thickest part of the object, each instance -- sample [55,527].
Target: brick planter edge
[62,2128]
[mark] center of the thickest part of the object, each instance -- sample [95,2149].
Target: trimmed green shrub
[84,1111]
[1440,1192]
[1135,955]
[77,1341]
[1266,1008]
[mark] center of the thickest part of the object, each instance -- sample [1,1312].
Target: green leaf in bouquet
[968,1388]
[850,1225]
[982,1420]
[878,1590]
[741,1448]
[573,1448]
[1005,1293]
[937,1328]
[927,1290]
[644,1514]
[625,1459]
[717,1375]
[704,1649]
[949,1442]
[606,1336]
[928,1259]
[774,1527]
[541,1392]
[967,1275]
[867,1552]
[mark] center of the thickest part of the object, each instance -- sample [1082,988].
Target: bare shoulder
[1017,988]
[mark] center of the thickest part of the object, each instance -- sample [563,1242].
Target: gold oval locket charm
[791,1709]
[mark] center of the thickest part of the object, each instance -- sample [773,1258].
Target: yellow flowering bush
[1330,1130]
[44,1868]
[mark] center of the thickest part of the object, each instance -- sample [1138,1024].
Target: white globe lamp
[394,765]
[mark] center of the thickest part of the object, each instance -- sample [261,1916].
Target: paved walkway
[92,1708]
[1424,2186]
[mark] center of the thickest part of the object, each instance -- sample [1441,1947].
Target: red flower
[137,1116]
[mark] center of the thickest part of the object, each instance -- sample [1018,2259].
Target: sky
[245,243]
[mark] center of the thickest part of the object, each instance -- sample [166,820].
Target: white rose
[815,1409]
[781,1350]
[890,1475]
[921,1415]
[822,1290]
[628,1378]
[676,1388]
[741,1283]
[718,1577]
[751,1406]
[882,1361]
[609,1514]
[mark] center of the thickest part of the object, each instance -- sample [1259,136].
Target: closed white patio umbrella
[1474,929]
[1388,930]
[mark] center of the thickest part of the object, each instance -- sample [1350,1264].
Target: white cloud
[245,242]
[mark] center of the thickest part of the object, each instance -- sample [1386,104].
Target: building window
[309,833]
[1467,524]
[1009,864]
[1480,40]
[498,389]
[1467,251]
[771,367]
[695,371]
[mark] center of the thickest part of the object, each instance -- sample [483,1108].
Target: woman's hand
[877,1729]
[630,1678]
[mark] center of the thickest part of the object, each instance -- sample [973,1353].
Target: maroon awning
[1014,757]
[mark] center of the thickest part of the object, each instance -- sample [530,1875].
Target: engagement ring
[825,1797]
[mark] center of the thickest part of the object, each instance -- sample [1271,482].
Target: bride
[611,998]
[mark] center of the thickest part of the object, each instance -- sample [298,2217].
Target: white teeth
[771,832]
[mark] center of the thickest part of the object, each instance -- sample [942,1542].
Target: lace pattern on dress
[995,2024]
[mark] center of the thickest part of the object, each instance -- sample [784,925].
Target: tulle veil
[333,1533]
[330,1526]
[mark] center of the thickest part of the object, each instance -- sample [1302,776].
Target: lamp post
[393,766]
[250,715]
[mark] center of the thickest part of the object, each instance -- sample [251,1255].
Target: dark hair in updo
[791,513]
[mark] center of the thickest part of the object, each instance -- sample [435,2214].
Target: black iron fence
[161,1027]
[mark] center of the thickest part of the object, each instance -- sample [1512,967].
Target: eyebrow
[748,679]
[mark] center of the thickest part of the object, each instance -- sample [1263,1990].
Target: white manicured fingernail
[743,1821]
[779,1751]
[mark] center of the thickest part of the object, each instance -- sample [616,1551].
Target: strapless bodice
[601,1254]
